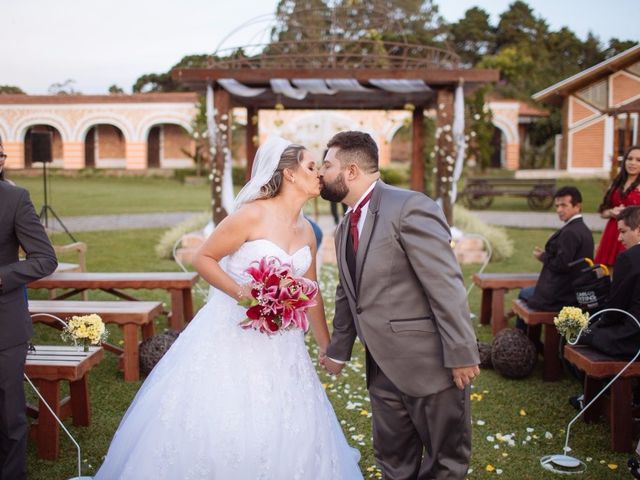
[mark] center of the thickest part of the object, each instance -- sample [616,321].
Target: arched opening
[498,143]
[401,145]
[34,154]
[104,147]
[170,146]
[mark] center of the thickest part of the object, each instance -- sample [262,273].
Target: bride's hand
[244,292]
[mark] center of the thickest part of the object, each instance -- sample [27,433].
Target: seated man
[571,242]
[615,333]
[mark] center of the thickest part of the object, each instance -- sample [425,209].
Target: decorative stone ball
[153,348]
[485,355]
[513,354]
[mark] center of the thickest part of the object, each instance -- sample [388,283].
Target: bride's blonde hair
[290,158]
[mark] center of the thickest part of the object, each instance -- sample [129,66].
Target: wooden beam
[417,144]
[251,76]
[251,139]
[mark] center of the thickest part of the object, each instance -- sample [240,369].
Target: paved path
[535,219]
[121,222]
[170,219]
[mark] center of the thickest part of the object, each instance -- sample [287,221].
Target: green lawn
[527,409]
[98,195]
[93,195]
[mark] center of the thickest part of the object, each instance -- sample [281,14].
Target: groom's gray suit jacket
[408,304]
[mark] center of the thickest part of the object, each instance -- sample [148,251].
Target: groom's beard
[336,191]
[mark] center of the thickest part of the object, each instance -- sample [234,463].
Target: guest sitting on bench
[615,333]
[571,242]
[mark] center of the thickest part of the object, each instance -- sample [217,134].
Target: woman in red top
[622,192]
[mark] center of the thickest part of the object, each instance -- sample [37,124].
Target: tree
[518,25]
[617,46]
[11,90]
[162,82]
[565,56]
[64,88]
[115,90]
[473,36]
[517,69]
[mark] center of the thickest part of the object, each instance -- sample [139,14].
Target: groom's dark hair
[356,147]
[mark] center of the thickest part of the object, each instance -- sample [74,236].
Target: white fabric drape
[283,87]
[211,124]
[400,86]
[457,132]
[313,85]
[298,88]
[234,87]
[346,85]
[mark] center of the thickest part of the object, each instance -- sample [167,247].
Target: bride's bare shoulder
[252,211]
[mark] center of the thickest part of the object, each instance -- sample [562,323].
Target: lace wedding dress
[229,403]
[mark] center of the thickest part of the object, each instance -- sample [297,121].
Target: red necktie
[354,217]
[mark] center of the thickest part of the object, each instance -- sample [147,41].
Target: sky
[101,43]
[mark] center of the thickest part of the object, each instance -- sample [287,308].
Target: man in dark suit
[571,242]
[19,227]
[616,333]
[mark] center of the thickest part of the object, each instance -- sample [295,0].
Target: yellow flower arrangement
[86,330]
[570,321]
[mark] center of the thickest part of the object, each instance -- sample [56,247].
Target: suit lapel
[341,237]
[367,230]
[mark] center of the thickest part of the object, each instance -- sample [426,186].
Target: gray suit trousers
[13,419]
[407,430]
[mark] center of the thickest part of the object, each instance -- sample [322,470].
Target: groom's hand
[462,376]
[334,368]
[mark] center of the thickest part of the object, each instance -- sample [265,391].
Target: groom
[401,293]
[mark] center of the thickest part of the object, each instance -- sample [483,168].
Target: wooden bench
[129,316]
[494,286]
[479,191]
[178,284]
[599,368]
[46,367]
[552,367]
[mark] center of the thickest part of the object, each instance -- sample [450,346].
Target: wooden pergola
[362,61]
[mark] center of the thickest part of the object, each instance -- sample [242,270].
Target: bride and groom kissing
[226,402]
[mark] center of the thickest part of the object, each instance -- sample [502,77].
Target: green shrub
[394,176]
[500,242]
[164,248]
[181,173]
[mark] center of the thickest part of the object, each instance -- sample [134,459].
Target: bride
[232,403]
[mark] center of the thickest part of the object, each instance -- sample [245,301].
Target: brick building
[592,134]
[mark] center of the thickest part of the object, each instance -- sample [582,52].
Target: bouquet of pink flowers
[279,300]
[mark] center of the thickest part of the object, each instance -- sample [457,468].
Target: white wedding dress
[232,404]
